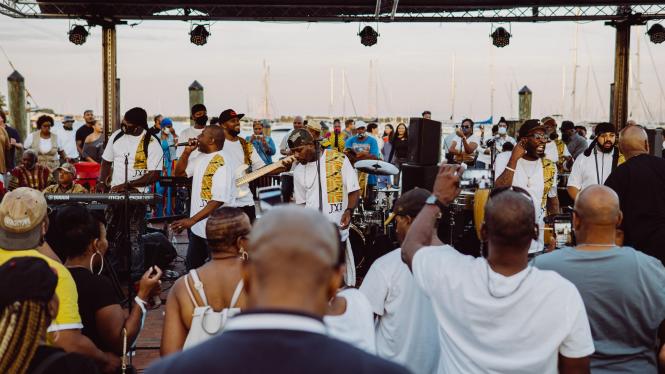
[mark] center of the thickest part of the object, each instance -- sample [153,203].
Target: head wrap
[300,137]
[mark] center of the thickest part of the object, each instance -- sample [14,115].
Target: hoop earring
[92,258]
[243,254]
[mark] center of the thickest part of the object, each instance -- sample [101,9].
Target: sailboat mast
[452,91]
[332,92]
[574,91]
[344,93]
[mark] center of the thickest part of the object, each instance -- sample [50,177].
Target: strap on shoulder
[189,291]
[199,286]
[236,294]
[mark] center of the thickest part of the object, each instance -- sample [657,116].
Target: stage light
[78,34]
[199,35]
[657,33]
[368,37]
[500,37]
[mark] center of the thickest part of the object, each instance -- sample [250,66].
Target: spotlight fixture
[78,34]
[500,37]
[368,36]
[199,35]
[656,33]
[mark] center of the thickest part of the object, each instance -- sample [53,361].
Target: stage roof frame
[99,12]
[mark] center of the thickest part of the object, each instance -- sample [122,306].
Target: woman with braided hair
[26,310]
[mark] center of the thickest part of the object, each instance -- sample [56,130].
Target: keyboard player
[66,174]
[144,158]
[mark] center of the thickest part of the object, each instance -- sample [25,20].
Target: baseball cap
[314,126]
[68,168]
[31,278]
[166,122]
[68,119]
[529,126]
[545,120]
[21,213]
[567,125]
[409,204]
[360,124]
[229,114]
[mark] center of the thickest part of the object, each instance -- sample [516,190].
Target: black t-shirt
[83,133]
[95,292]
[640,184]
[10,159]
[401,147]
[69,363]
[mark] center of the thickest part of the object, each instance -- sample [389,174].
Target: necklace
[489,289]
[531,174]
[308,188]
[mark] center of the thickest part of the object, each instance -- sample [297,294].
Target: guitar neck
[256,174]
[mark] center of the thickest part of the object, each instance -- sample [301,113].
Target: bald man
[292,272]
[640,184]
[497,314]
[210,181]
[298,123]
[622,288]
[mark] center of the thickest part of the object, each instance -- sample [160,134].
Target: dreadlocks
[23,327]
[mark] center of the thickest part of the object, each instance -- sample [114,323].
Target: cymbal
[376,167]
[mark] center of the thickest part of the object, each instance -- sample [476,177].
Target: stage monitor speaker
[418,176]
[424,141]
[655,142]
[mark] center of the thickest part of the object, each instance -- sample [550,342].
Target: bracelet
[511,169]
[142,304]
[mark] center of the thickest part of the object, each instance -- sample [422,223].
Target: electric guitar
[242,178]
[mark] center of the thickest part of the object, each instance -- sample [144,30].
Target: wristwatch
[434,200]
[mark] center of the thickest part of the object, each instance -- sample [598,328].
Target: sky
[412,68]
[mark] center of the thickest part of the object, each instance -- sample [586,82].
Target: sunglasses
[520,190]
[466,127]
[538,136]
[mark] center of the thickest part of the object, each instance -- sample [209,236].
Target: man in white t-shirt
[200,117]
[209,190]
[527,167]
[339,186]
[556,149]
[240,156]
[499,314]
[144,162]
[405,323]
[594,165]
[67,136]
[464,145]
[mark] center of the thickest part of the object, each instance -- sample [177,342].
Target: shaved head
[510,220]
[294,255]
[633,141]
[217,133]
[598,205]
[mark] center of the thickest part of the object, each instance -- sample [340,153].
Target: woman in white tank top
[200,302]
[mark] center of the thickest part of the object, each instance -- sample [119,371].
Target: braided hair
[23,327]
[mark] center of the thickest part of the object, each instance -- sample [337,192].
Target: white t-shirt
[129,145]
[186,134]
[551,153]
[588,170]
[306,188]
[68,140]
[405,330]
[471,139]
[216,187]
[356,325]
[234,157]
[529,176]
[533,316]
[44,144]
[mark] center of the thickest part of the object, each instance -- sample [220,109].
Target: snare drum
[463,202]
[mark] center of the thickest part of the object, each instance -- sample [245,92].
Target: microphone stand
[317,146]
[127,240]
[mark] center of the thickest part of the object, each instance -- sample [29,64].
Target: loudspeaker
[424,141]
[422,176]
[655,142]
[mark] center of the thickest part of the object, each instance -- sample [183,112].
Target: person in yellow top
[335,140]
[23,224]
[66,174]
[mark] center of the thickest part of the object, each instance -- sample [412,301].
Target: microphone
[587,152]
[184,144]
[492,141]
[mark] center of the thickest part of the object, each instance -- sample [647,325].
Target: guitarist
[240,156]
[209,190]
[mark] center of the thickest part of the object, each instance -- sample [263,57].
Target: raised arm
[506,178]
[446,188]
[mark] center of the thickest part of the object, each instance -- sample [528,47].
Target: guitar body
[240,172]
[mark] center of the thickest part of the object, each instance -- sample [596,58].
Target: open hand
[182,224]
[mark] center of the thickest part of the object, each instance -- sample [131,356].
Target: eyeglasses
[538,136]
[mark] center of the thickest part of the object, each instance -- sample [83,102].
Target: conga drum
[479,201]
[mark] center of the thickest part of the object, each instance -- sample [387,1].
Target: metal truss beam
[319,13]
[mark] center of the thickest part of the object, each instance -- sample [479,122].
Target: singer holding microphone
[210,189]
